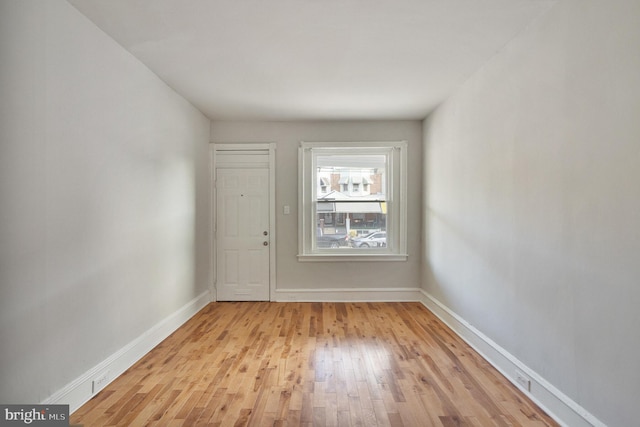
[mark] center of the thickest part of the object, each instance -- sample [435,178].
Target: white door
[242,234]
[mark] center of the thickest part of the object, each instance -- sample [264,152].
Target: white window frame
[396,200]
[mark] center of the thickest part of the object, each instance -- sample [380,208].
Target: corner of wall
[559,406]
[87,385]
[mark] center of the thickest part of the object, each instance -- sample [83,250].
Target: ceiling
[313,59]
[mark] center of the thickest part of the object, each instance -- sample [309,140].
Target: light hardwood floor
[320,364]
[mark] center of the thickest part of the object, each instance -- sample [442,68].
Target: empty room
[320,212]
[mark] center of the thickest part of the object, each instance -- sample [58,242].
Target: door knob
[265,243]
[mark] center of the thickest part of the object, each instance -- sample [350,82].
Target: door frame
[245,155]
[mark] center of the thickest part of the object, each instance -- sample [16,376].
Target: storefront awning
[361,207]
[351,207]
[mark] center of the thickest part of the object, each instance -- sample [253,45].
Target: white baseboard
[348,295]
[78,392]
[559,406]
[563,409]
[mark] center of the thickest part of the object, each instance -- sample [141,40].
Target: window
[324,184]
[358,212]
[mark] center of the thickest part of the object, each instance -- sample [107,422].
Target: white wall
[292,274]
[103,198]
[532,203]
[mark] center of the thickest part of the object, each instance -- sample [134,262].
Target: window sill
[351,257]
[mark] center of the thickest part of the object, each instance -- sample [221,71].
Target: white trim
[212,222]
[261,146]
[272,220]
[79,391]
[406,294]
[352,257]
[270,163]
[558,405]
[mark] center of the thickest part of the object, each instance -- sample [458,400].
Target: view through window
[352,202]
[351,207]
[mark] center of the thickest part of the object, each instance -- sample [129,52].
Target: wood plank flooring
[311,364]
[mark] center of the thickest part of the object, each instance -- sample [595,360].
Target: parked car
[331,240]
[372,240]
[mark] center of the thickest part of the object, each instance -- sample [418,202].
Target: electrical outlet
[99,382]
[523,380]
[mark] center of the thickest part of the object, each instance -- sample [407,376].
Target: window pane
[350,201]
[343,177]
[351,225]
